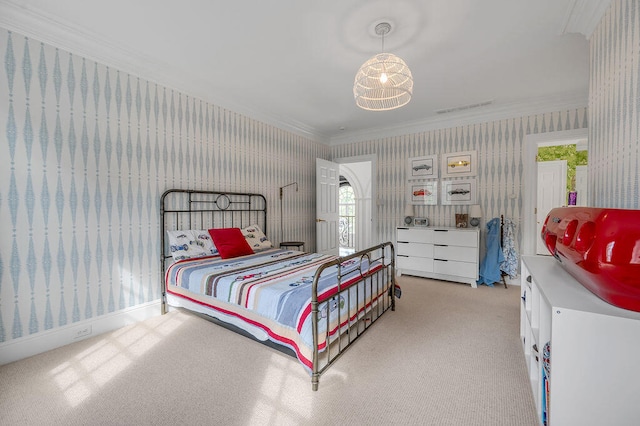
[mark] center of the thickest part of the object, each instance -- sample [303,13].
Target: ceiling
[292,63]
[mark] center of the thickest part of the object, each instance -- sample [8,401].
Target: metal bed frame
[193,209]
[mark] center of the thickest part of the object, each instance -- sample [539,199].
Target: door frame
[581,177]
[530,181]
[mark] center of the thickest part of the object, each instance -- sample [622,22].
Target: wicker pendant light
[384,82]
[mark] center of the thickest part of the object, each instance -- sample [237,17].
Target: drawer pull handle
[442,260]
[529,278]
[402,255]
[441,245]
[441,230]
[403,242]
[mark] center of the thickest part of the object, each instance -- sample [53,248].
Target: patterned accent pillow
[256,238]
[183,245]
[203,239]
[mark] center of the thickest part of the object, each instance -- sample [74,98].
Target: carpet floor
[448,355]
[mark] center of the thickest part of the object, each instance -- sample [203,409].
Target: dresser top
[439,228]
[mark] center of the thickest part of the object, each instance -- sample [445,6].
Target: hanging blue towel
[490,265]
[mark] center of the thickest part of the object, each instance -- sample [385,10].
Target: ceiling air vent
[464,107]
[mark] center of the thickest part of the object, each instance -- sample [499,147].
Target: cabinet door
[455,238]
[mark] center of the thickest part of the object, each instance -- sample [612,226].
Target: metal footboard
[375,286]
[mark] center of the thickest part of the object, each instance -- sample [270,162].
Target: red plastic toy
[600,248]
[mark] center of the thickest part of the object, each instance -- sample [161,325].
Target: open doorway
[558,182]
[530,214]
[358,187]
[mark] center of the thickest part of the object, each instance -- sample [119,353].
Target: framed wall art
[423,193]
[461,191]
[425,167]
[460,164]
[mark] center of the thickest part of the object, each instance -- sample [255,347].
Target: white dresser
[442,253]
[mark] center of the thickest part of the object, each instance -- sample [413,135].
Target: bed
[309,305]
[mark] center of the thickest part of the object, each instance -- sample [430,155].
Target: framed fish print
[423,193]
[461,191]
[460,164]
[425,167]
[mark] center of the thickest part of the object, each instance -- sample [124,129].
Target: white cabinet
[593,349]
[442,253]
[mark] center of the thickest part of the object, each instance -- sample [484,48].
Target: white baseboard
[513,281]
[27,346]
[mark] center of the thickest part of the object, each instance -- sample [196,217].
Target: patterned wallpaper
[499,180]
[614,107]
[87,151]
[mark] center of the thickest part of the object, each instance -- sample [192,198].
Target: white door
[552,187]
[327,214]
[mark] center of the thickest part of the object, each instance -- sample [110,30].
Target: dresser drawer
[415,249]
[452,267]
[415,235]
[407,264]
[455,238]
[464,254]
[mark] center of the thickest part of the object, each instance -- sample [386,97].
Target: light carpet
[448,355]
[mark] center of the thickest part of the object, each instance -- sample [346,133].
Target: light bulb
[383,77]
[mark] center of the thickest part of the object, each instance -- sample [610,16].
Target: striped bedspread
[272,290]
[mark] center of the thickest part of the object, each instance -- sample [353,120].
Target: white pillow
[185,245]
[256,238]
[203,239]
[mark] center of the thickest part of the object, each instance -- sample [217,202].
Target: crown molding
[494,112]
[583,16]
[28,21]
[34,23]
